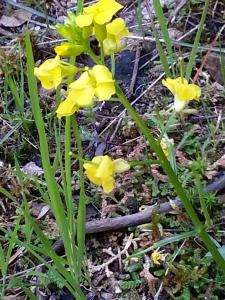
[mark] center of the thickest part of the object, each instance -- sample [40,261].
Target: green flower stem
[102,53]
[201,199]
[80,4]
[181,63]
[173,179]
[135,163]
[69,198]
[81,218]
[53,190]
[113,64]
[195,47]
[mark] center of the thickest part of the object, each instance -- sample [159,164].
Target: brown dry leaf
[213,66]
[18,18]
[181,158]
[157,175]
[145,244]
[174,33]
[149,277]
[212,169]
[32,169]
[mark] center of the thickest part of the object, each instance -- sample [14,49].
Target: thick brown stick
[112,224]
[142,217]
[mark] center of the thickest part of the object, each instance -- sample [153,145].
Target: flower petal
[120,165]
[109,45]
[91,170]
[103,17]
[105,169]
[104,91]
[49,73]
[170,84]
[109,5]
[188,92]
[116,26]
[83,82]
[108,184]
[179,104]
[83,97]
[84,20]
[66,108]
[102,74]
[69,49]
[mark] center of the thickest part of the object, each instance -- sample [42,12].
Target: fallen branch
[139,218]
[112,224]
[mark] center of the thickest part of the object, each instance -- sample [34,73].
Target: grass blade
[164,242]
[165,33]
[196,42]
[56,201]
[162,55]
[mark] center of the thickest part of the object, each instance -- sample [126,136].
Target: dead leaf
[32,169]
[157,175]
[18,18]
[43,211]
[175,34]
[212,169]
[181,158]
[213,66]
[145,273]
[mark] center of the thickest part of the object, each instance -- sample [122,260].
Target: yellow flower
[96,82]
[69,49]
[183,91]
[165,143]
[116,31]
[66,108]
[53,71]
[100,13]
[102,169]
[156,256]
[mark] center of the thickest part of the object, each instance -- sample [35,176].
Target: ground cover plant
[112,171]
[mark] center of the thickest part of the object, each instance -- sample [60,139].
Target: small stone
[37,28]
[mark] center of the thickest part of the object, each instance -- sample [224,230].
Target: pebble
[37,28]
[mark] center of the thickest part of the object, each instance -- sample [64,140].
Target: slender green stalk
[165,33]
[139,17]
[81,218]
[135,163]
[54,195]
[181,63]
[201,199]
[196,42]
[69,198]
[113,64]
[174,180]
[102,53]
[71,283]
[80,4]
[4,258]
[162,55]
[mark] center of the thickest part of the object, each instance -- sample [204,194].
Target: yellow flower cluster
[96,82]
[97,16]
